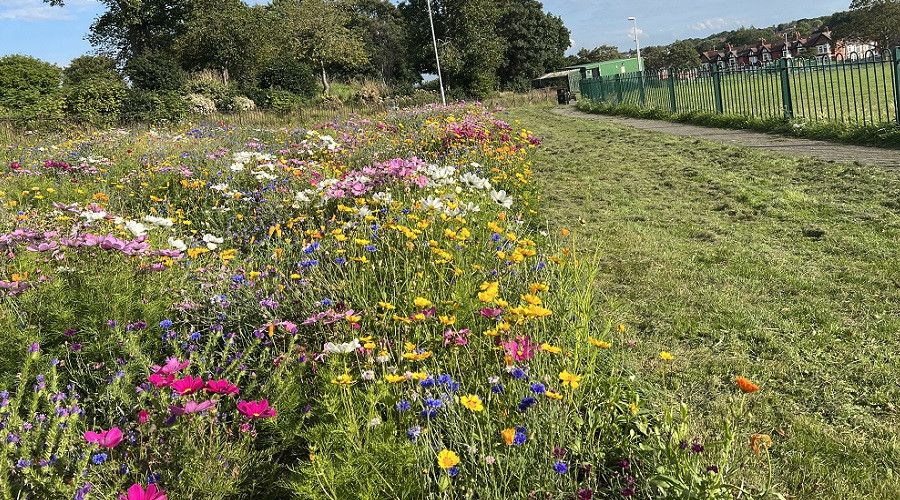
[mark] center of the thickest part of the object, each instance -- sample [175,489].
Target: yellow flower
[416,356]
[620,328]
[599,343]
[551,349]
[422,302]
[419,375]
[447,459]
[386,306]
[570,379]
[666,356]
[472,402]
[509,435]
[634,408]
[448,320]
[553,394]
[344,380]
[390,377]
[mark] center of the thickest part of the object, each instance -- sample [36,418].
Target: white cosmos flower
[212,242]
[474,181]
[502,199]
[158,221]
[136,228]
[177,244]
[344,348]
[432,203]
[93,216]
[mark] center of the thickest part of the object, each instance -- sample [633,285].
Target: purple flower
[538,388]
[526,403]
[191,407]
[75,347]
[561,467]
[34,348]
[402,405]
[453,471]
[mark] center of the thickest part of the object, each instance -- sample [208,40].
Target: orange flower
[509,435]
[760,442]
[746,385]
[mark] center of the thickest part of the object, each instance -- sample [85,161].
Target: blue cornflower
[195,336]
[309,263]
[123,469]
[444,379]
[517,372]
[99,458]
[453,386]
[453,471]
[370,248]
[340,260]
[428,413]
[496,237]
[402,405]
[23,464]
[497,389]
[526,403]
[413,433]
[326,302]
[165,324]
[519,438]
[561,467]
[538,388]
[428,382]
[153,478]
[433,403]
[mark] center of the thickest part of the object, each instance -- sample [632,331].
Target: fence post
[603,89]
[672,89]
[641,84]
[897,84]
[717,87]
[618,90]
[786,88]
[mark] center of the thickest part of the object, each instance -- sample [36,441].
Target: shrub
[200,104]
[155,71]
[30,88]
[286,73]
[89,69]
[153,107]
[98,102]
[241,103]
[280,101]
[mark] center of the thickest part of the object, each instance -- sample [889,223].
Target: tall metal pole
[436,57]
[637,44]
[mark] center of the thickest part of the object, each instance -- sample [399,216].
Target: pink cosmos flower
[521,349]
[188,385]
[221,387]
[161,381]
[191,407]
[491,312]
[173,365]
[105,439]
[143,416]
[137,492]
[256,409]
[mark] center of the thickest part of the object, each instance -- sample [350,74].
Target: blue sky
[57,34]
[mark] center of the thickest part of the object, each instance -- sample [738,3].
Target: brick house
[819,45]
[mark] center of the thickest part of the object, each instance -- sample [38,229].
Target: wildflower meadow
[368,308]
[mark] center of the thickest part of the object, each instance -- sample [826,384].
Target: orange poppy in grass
[746,385]
[509,435]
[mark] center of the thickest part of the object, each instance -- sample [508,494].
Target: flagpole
[436,58]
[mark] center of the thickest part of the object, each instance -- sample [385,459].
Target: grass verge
[742,262]
[886,135]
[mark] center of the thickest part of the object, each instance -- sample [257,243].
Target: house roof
[556,74]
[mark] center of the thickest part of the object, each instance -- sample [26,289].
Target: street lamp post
[637,44]
[437,59]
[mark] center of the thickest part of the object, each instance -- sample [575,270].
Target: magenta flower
[105,439]
[188,385]
[256,409]
[491,312]
[161,381]
[172,365]
[221,387]
[137,492]
[521,349]
[191,407]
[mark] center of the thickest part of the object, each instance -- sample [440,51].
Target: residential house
[819,45]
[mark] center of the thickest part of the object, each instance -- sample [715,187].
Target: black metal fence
[859,89]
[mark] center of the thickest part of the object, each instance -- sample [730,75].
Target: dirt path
[822,150]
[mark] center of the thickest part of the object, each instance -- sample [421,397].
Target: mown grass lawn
[740,262]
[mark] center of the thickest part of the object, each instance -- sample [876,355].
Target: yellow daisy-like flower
[386,306]
[553,394]
[472,402]
[417,356]
[422,302]
[447,459]
[570,379]
[394,379]
[550,348]
[599,343]
[344,380]
[665,355]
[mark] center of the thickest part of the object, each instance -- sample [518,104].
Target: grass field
[740,262]
[851,93]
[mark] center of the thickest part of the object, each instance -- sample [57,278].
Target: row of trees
[485,45]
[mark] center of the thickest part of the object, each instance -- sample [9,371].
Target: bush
[155,71]
[153,107]
[200,104]
[280,101]
[90,69]
[241,104]
[30,88]
[286,73]
[98,102]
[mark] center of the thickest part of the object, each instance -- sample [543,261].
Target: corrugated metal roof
[557,74]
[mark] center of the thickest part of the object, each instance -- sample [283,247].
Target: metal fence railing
[858,89]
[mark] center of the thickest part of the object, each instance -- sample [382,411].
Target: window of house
[766,57]
[823,49]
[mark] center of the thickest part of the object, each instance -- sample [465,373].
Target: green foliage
[597,54]
[155,71]
[382,29]
[29,88]
[277,100]
[153,107]
[682,55]
[287,73]
[535,43]
[129,29]
[875,20]
[97,102]
[90,69]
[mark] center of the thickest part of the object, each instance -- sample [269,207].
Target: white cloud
[36,10]
[716,24]
[631,32]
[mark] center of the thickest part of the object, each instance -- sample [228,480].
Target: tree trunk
[324,78]
[225,76]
